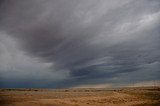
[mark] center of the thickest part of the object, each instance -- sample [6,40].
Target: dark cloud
[90,39]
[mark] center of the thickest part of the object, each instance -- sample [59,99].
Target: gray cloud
[89,39]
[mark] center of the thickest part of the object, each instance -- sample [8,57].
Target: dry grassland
[142,96]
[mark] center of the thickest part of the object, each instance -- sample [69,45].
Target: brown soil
[139,96]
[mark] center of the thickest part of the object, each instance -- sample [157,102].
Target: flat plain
[128,96]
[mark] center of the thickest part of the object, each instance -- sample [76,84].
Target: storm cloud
[81,41]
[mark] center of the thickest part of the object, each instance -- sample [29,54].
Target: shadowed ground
[138,96]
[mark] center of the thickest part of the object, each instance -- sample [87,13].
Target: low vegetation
[139,96]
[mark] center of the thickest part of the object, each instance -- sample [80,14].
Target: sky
[79,43]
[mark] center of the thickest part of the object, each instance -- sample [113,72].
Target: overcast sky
[72,43]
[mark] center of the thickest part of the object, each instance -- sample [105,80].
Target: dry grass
[149,96]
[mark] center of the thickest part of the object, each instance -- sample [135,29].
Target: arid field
[131,96]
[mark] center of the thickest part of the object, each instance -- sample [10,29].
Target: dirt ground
[137,96]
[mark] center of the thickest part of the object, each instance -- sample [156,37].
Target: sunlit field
[132,96]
